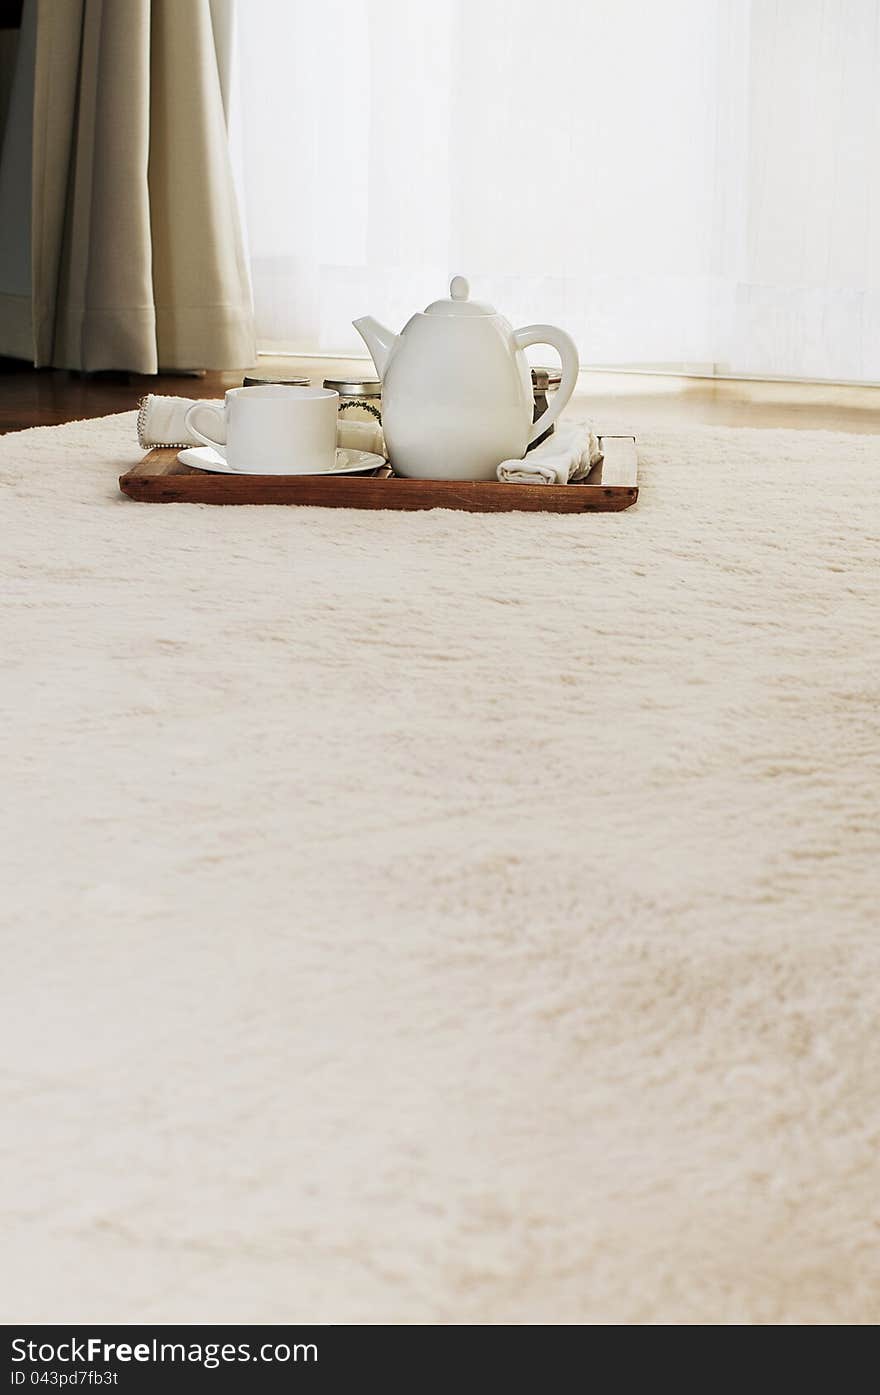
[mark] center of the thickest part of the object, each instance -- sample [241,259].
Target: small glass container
[261,380]
[544,381]
[360,399]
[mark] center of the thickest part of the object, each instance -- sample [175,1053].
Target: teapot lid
[458,303]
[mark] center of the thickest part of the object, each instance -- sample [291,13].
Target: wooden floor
[617,401]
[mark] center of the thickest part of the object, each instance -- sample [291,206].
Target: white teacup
[271,430]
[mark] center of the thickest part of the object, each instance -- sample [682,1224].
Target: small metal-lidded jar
[260,380]
[544,381]
[360,399]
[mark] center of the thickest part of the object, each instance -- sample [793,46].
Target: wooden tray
[612,485]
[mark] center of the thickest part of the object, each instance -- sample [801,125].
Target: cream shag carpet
[443,918]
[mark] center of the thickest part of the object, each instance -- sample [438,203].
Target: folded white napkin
[162,422]
[568,455]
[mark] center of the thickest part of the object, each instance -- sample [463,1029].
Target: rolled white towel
[566,456]
[161,421]
[361,435]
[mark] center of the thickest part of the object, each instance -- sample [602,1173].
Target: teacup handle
[567,350]
[219,415]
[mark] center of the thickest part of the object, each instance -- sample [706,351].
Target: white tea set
[273,430]
[457,401]
[457,394]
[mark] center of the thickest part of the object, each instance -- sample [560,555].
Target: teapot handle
[567,350]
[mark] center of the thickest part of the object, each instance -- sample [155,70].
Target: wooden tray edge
[615,490]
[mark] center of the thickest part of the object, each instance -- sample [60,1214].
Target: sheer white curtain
[689,184]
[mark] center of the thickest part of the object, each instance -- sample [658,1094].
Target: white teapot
[457,393]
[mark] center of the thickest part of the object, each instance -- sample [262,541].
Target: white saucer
[348,462]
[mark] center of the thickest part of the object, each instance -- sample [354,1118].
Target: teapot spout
[379,340]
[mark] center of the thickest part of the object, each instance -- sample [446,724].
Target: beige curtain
[16,319]
[136,243]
